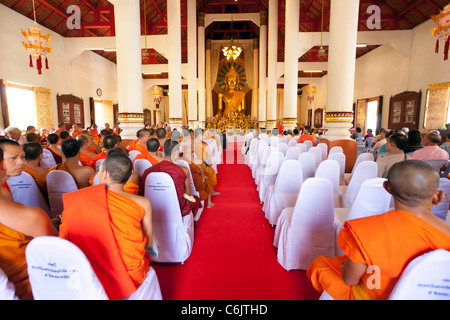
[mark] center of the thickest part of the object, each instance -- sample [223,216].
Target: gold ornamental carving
[128,117]
[338,116]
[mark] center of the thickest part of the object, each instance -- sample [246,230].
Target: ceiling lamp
[37,44]
[232,51]
[442,32]
[321,52]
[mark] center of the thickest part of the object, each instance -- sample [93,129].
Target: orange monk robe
[63,166]
[203,187]
[94,159]
[13,261]
[112,239]
[305,137]
[129,187]
[148,157]
[85,159]
[389,241]
[40,179]
[133,145]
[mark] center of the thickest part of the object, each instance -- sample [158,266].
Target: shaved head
[118,166]
[412,182]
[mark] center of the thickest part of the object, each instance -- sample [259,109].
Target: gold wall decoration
[437,105]
[338,116]
[44,110]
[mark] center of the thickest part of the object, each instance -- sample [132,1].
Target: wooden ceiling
[98,20]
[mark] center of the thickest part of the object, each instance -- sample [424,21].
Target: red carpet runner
[233,257]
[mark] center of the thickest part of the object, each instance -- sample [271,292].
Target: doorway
[368,114]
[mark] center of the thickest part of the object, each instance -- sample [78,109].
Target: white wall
[81,76]
[387,71]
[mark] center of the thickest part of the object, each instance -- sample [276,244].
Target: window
[99,119]
[21,106]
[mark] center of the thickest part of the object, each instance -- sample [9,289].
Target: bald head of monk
[109,142]
[413,183]
[116,168]
[33,150]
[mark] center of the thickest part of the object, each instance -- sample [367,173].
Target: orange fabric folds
[86,223]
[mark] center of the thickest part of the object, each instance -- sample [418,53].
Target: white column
[262,107]
[291,64]
[129,69]
[272,65]
[254,113]
[341,67]
[192,61]
[209,102]
[174,57]
[201,68]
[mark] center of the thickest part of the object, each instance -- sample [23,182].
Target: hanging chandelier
[232,51]
[37,44]
[442,32]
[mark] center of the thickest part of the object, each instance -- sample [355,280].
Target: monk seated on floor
[33,155]
[81,174]
[388,241]
[115,238]
[180,177]
[14,159]
[153,155]
[19,224]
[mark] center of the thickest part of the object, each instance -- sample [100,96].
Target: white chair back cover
[307,161]
[282,147]
[98,163]
[95,180]
[269,175]
[174,233]
[301,147]
[7,288]
[58,183]
[317,155]
[48,160]
[251,155]
[140,165]
[329,169]
[441,209]
[425,278]
[324,147]
[262,165]
[285,191]
[292,142]
[367,156]
[132,154]
[310,233]
[59,270]
[292,153]
[335,149]
[340,158]
[24,190]
[365,170]
[259,153]
[274,141]
[215,154]
[308,144]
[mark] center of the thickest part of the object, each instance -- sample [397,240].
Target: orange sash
[85,218]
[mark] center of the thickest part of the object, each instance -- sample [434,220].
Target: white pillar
[174,57]
[192,61]
[341,67]
[254,113]
[291,64]
[272,65]
[209,102]
[262,107]
[201,68]
[129,69]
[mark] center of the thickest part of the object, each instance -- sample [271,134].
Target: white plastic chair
[292,142]
[140,165]
[98,163]
[425,278]
[269,175]
[282,147]
[174,233]
[301,147]
[132,154]
[317,155]
[371,199]
[441,209]
[335,149]
[59,270]
[365,170]
[24,190]
[308,144]
[7,288]
[48,160]
[324,147]
[307,161]
[362,157]
[306,232]
[292,153]
[58,183]
[329,169]
[284,192]
[340,158]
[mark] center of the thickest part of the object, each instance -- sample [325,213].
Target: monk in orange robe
[389,241]
[152,152]
[19,224]
[14,161]
[33,155]
[115,239]
[140,144]
[307,136]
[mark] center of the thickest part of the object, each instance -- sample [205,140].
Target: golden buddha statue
[231,99]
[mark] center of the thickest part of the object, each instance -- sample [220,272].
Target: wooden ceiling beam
[411,6]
